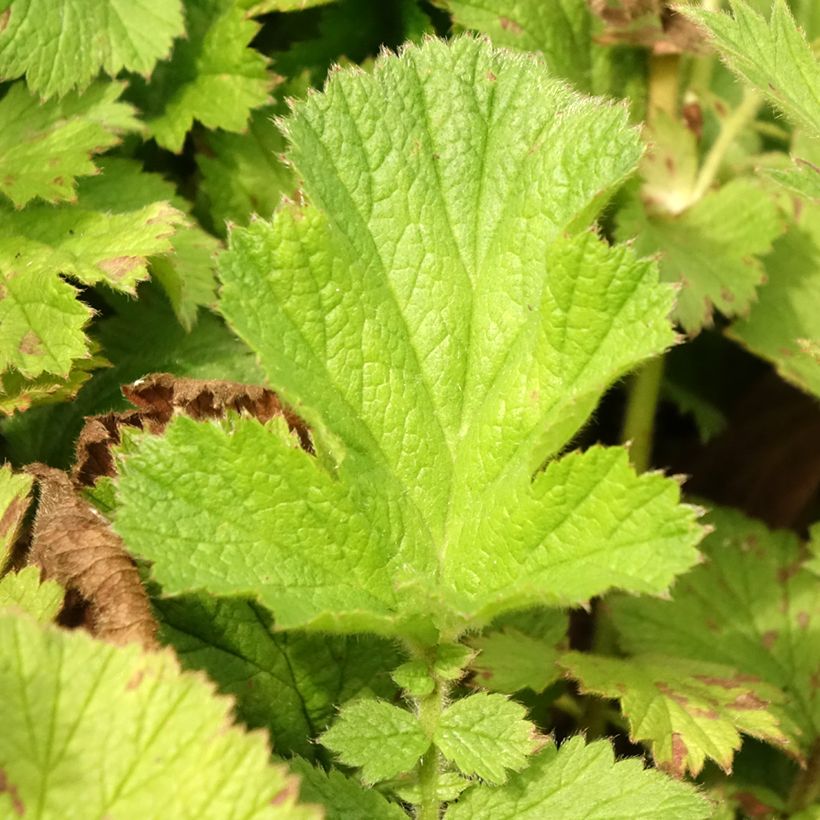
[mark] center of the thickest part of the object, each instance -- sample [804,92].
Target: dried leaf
[74,545]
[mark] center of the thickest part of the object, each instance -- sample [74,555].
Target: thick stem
[663,85]
[639,420]
[429,712]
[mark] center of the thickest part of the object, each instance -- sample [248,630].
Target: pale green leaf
[580,782]
[257,7]
[14,501]
[711,249]
[307,677]
[44,146]
[752,606]
[212,77]
[123,733]
[384,740]
[41,320]
[770,54]
[449,786]
[438,363]
[63,45]
[782,325]
[561,31]
[509,660]
[486,735]
[803,179]
[414,678]
[23,591]
[686,710]
[450,660]
[342,798]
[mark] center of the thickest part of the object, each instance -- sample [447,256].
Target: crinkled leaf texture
[63,45]
[752,606]
[444,323]
[123,733]
[688,710]
[580,782]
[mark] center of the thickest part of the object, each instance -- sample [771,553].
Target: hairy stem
[639,419]
[430,708]
[806,787]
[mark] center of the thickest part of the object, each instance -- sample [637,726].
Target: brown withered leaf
[158,398]
[653,24]
[74,545]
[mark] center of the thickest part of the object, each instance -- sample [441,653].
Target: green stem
[429,711]
[639,420]
[806,787]
[734,124]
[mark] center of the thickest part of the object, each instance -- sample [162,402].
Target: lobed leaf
[23,591]
[582,782]
[60,46]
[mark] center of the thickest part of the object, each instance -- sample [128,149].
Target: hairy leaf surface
[23,591]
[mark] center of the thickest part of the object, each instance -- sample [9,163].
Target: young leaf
[712,249]
[342,798]
[752,606]
[120,732]
[688,710]
[60,46]
[485,735]
[212,76]
[510,660]
[23,590]
[14,502]
[414,678]
[44,146]
[383,739]
[289,684]
[782,325]
[580,782]
[438,365]
[771,55]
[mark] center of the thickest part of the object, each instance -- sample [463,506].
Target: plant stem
[429,711]
[734,124]
[663,85]
[806,787]
[639,419]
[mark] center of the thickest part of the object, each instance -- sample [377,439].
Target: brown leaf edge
[74,545]
[161,396]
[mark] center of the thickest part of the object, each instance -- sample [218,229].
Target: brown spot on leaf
[803,620]
[288,794]
[693,117]
[10,789]
[491,77]
[4,19]
[727,683]
[785,574]
[135,680]
[748,700]
[768,639]
[31,344]
[510,25]
[120,266]
[665,689]
[677,765]
[58,181]
[73,544]
[752,805]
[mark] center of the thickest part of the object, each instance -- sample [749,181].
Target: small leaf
[579,782]
[414,678]
[771,55]
[60,46]
[450,785]
[24,591]
[686,710]
[14,503]
[384,740]
[485,735]
[451,658]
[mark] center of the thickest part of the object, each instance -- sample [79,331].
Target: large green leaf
[62,45]
[772,55]
[444,323]
[122,733]
[752,606]
[580,782]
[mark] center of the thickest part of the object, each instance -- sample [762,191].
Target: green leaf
[771,55]
[803,179]
[243,174]
[438,365]
[289,684]
[782,325]
[23,590]
[60,46]
[561,31]
[44,146]
[342,798]
[383,739]
[712,249]
[510,660]
[752,606]
[212,76]
[120,732]
[687,710]
[580,782]
[485,735]
[14,501]
[414,678]
[450,660]
[449,786]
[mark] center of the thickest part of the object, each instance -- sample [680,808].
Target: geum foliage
[442,317]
